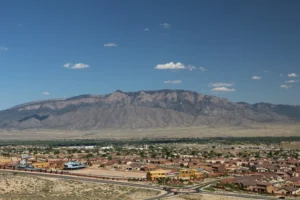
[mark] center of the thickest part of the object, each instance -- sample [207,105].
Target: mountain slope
[142,110]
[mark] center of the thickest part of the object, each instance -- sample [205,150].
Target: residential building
[157,174]
[190,174]
[40,165]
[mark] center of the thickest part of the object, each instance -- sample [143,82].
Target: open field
[22,187]
[269,130]
[111,173]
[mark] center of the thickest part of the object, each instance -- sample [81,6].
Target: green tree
[56,152]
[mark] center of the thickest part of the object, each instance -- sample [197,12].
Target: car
[281,197]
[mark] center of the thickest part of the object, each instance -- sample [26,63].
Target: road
[239,195]
[247,196]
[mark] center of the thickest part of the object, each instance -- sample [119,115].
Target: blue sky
[241,50]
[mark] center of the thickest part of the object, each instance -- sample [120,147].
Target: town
[270,168]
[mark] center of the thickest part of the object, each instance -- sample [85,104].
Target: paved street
[239,195]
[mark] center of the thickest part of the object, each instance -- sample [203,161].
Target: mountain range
[143,110]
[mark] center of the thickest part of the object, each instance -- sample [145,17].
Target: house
[258,168]
[73,165]
[3,161]
[272,168]
[241,163]
[284,168]
[296,163]
[288,190]
[264,187]
[246,184]
[283,175]
[216,161]
[294,181]
[157,174]
[41,165]
[241,170]
[297,184]
[149,167]
[293,174]
[271,176]
[56,164]
[190,174]
[136,167]
[218,168]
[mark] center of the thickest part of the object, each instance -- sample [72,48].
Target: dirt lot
[116,173]
[24,187]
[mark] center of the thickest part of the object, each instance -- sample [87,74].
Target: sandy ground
[203,131]
[103,172]
[203,197]
[22,187]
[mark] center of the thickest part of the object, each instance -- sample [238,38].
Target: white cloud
[170,65]
[173,82]
[223,89]
[256,77]
[220,84]
[292,81]
[166,25]
[76,66]
[110,45]
[3,49]
[292,75]
[286,86]
[281,74]
[20,25]
[146,29]
[191,67]
[46,93]
[203,69]
[80,66]
[67,65]
[175,66]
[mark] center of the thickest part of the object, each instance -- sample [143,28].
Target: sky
[240,50]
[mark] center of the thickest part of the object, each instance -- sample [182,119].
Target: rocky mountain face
[142,110]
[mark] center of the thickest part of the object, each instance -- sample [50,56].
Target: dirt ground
[203,131]
[24,187]
[104,172]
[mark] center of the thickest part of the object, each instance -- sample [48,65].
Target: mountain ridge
[143,110]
